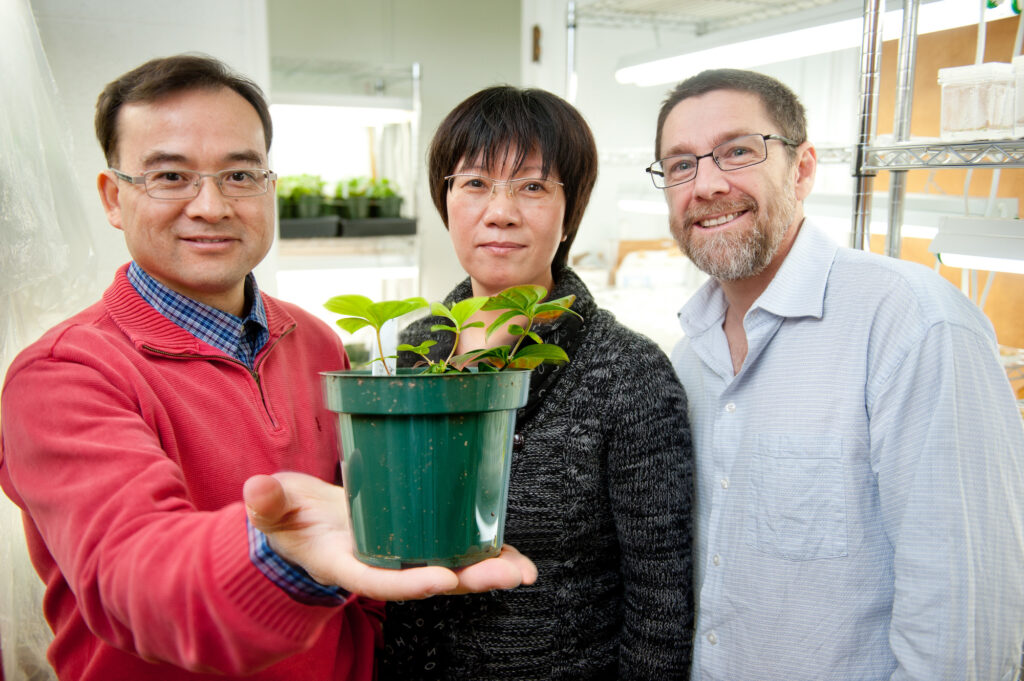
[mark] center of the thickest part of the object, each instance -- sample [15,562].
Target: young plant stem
[455,346]
[526,331]
[380,349]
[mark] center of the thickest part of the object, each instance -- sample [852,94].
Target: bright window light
[331,141]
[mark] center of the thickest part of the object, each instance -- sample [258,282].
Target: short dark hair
[779,101]
[164,76]
[488,123]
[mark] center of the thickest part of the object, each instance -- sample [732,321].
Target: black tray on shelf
[377,226]
[333,226]
[309,228]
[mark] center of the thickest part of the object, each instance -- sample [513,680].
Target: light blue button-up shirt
[860,481]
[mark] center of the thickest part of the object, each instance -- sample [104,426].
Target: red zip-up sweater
[126,441]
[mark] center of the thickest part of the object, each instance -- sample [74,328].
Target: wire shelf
[982,154]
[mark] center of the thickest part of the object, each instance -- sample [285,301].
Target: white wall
[89,43]
[461,47]
[550,71]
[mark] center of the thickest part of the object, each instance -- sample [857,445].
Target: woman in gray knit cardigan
[602,467]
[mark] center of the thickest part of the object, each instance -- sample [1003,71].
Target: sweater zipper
[252,372]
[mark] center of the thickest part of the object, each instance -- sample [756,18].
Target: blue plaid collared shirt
[242,339]
[237,337]
[292,579]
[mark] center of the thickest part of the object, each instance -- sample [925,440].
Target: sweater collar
[145,326]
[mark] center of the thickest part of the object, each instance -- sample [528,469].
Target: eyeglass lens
[184,184]
[477,188]
[732,154]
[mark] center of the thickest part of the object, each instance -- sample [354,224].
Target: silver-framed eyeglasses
[176,184]
[475,189]
[739,152]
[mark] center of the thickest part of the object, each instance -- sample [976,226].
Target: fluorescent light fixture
[792,37]
[977,243]
[977,262]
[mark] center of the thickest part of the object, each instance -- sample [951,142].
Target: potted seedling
[304,193]
[285,199]
[357,201]
[426,451]
[384,200]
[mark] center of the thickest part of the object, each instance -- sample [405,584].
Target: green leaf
[516,330]
[500,321]
[531,356]
[351,305]
[497,355]
[535,338]
[443,327]
[392,309]
[516,298]
[546,352]
[440,310]
[525,362]
[421,349]
[352,324]
[464,309]
[565,301]
[546,312]
[373,314]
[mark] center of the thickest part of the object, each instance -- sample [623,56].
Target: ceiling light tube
[777,40]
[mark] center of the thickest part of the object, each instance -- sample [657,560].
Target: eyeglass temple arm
[128,178]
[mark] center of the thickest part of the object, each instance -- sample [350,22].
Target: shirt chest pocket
[797,505]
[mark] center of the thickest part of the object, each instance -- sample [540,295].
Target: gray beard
[728,256]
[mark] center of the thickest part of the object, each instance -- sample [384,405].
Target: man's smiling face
[205,246]
[730,224]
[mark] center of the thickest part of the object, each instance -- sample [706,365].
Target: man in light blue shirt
[860,457]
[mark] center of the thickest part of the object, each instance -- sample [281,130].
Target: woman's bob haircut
[489,125]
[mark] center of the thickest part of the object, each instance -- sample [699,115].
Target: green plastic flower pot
[308,206]
[357,207]
[425,462]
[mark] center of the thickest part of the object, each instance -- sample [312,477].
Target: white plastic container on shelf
[977,102]
[1018,107]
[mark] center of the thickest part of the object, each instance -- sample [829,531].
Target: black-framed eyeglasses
[184,184]
[740,152]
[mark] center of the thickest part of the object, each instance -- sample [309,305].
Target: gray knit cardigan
[600,500]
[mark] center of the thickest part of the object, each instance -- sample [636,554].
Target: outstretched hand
[306,522]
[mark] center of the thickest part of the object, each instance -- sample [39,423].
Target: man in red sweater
[169,446]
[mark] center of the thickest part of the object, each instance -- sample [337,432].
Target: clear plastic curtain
[46,263]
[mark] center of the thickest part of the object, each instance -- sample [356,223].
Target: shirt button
[731,407]
[716,559]
[725,483]
[712,639]
[517,442]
